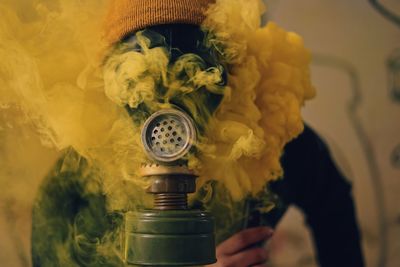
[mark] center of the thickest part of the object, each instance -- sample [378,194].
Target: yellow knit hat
[126,16]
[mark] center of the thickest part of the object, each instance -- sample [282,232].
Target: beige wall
[355,113]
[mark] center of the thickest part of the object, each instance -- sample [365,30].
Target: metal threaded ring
[170,201]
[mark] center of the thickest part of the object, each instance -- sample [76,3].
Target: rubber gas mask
[187,85]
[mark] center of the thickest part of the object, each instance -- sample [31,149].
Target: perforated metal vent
[168,135]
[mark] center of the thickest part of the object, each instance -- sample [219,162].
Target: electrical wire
[395,157]
[385,12]
[393,67]
[375,176]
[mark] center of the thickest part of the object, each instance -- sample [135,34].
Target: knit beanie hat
[127,16]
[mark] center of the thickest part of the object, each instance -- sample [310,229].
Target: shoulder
[304,156]
[308,169]
[65,187]
[70,206]
[306,146]
[70,171]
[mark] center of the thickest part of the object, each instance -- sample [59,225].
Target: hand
[241,249]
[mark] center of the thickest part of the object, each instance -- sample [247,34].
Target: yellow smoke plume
[269,81]
[52,72]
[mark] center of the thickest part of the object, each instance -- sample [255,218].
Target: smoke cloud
[63,91]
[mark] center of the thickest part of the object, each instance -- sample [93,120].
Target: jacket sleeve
[313,183]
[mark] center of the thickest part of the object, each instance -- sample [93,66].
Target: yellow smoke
[56,85]
[51,70]
[269,82]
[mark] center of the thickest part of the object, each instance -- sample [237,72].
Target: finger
[249,257]
[244,239]
[265,264]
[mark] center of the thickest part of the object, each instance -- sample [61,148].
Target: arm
[313,183]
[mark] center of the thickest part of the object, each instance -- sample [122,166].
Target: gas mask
[170,233]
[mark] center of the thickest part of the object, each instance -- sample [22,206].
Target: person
[72,227]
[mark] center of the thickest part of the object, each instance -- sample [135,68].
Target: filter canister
[169,238]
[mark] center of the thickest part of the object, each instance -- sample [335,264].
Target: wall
[357,111]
